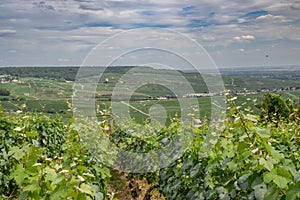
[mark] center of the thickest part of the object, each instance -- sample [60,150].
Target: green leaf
[31,187]
[293,192]
[271,194]
[232,166]
[23,195]
[16,153]
[32,159]
[58,193]
[279,180]
[81,196]
[259,188]
[19,174]
[290,166]
[267,164]
[242,146]
[275,154]
[223,195]
[263,132]
[284,173]
[229,151]
[195,170]
[87,189]
[246,154]
[268,177]
[297,176]
[59,178]
[253,118]
[105,173]
[31,134]
[50,174]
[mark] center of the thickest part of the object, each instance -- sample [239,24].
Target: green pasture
[53,95]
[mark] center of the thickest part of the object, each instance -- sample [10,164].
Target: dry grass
[122,188]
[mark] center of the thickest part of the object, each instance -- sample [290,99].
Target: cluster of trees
[274,108]
[4,92]
[58,73]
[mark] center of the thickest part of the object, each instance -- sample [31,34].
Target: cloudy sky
[233,32]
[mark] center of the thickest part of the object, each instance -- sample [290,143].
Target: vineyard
[149,100]
[249,156]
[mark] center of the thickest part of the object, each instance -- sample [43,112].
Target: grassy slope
[51,96]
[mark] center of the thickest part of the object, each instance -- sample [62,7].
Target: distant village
[7,78]
[242,92]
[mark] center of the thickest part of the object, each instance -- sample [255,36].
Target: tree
[274,108]
[4,92]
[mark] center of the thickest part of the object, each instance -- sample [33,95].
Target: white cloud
[248,37]
[70,28]
[272,18]
[7,32]
[244,38]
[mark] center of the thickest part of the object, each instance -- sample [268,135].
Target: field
[50,91]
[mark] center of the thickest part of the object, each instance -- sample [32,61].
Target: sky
[234,33]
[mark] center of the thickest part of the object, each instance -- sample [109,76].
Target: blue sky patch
[190,10]
[148,13]
[255,14]
[199,23]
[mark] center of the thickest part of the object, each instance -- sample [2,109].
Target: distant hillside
[66,73]
[278,72]
[69,73]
